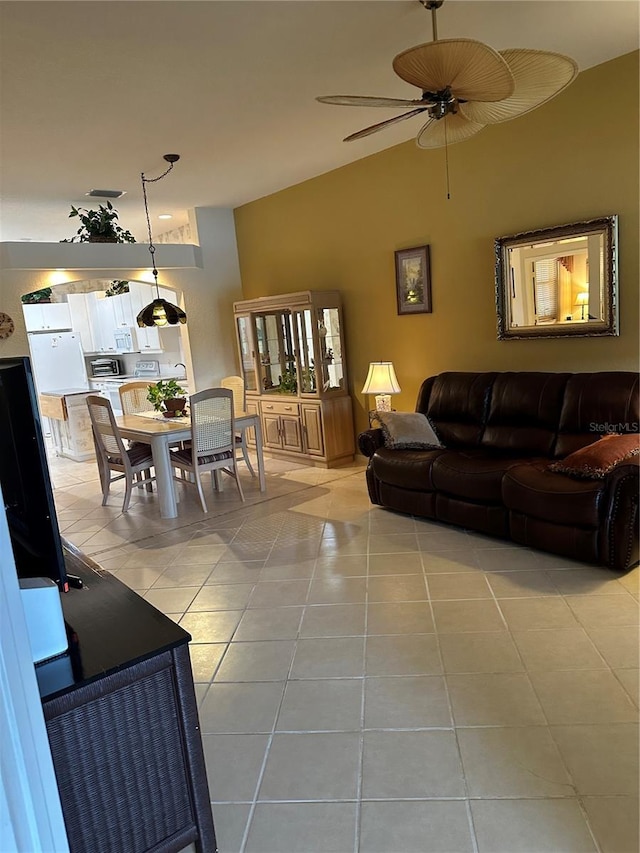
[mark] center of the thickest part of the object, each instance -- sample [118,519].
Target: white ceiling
[94,92]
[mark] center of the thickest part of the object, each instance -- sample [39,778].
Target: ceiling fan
[465,85]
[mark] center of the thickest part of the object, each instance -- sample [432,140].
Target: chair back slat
[133,397]
[236,384]
[105,430]
[212,427]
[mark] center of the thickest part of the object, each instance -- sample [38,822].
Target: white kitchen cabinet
[47,316]
[106,317]
[148,337]
[81,320]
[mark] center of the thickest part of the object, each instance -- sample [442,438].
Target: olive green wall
[572,159]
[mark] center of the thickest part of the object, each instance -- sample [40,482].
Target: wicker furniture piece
[122,721]
[236,384]
[112,456]
[213,437]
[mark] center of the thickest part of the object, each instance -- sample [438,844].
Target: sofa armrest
[369,441]
[620,548]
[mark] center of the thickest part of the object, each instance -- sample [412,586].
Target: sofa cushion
[456,404]
[472,474]
[524,412]
[596,404]
[407,431]
[532,490]
[409,469]
[594,461]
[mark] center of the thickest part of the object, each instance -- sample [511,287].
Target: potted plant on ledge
[99,226]
[168,397]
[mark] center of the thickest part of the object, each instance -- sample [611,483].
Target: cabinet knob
[268,407]
[288,408]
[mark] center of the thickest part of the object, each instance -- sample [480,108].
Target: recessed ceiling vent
[106,193]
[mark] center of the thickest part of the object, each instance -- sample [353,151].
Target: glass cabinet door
[330,368]
[274,338]
[247,354]
[306,354]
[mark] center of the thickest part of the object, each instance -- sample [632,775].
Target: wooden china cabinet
[292,357]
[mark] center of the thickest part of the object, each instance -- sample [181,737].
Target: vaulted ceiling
[94,92]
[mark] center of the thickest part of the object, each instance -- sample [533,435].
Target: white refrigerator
[58,361]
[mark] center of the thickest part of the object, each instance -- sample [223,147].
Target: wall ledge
[97,256]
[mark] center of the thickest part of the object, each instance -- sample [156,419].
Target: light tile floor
[372,682]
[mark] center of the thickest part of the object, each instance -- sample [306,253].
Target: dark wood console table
[122,721]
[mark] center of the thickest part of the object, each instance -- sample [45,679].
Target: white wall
[30,813]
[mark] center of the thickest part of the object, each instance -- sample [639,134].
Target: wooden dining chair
[236,385]
[113,456]
[133,398]
[212,440]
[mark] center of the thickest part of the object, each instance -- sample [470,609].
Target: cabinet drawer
[288,408]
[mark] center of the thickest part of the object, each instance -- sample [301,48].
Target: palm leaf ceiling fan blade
[366,101]
[471,70]
[539,76]
[465,85]
[374,128]
[447,131]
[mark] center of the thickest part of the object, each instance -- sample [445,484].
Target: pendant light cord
[152,248]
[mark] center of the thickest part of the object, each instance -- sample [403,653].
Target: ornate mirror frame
[564,271]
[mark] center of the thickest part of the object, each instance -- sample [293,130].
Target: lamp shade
[161,313]
[381,379]
[582,298]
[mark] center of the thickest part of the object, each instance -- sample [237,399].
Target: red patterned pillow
[594,461]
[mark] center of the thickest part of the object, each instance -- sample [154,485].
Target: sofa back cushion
[524,412]
[457,404]
[596,404]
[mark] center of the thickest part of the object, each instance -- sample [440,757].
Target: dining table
[159,432]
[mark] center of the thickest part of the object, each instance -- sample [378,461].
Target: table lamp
[582,299]
[381,381]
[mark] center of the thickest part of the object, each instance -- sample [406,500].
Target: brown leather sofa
[500,433]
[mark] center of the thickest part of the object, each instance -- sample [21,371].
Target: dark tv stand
[122,722]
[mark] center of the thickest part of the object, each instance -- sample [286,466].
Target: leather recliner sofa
[501,431]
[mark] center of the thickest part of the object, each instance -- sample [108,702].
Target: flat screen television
[24,477]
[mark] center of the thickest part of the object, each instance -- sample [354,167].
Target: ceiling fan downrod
[432,6]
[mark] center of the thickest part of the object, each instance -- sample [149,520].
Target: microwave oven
[126,340]
[104,367]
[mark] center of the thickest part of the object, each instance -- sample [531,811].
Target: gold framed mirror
[558,282]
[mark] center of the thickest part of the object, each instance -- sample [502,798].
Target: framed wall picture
[413,281]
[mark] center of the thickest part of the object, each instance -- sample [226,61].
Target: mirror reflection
[558,281]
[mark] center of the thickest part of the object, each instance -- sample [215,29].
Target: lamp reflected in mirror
[582,302]
[557,282]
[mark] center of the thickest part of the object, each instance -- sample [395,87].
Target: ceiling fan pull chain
[446,157]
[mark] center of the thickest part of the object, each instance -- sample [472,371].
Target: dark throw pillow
[407,431]
[594,461]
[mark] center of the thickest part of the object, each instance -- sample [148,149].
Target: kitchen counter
[65,392]
[130,377]
[69,422]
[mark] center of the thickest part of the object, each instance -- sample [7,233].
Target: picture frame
[413,280]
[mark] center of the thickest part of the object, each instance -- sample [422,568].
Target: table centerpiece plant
[168,397]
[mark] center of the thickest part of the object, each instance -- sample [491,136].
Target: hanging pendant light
[159,312]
